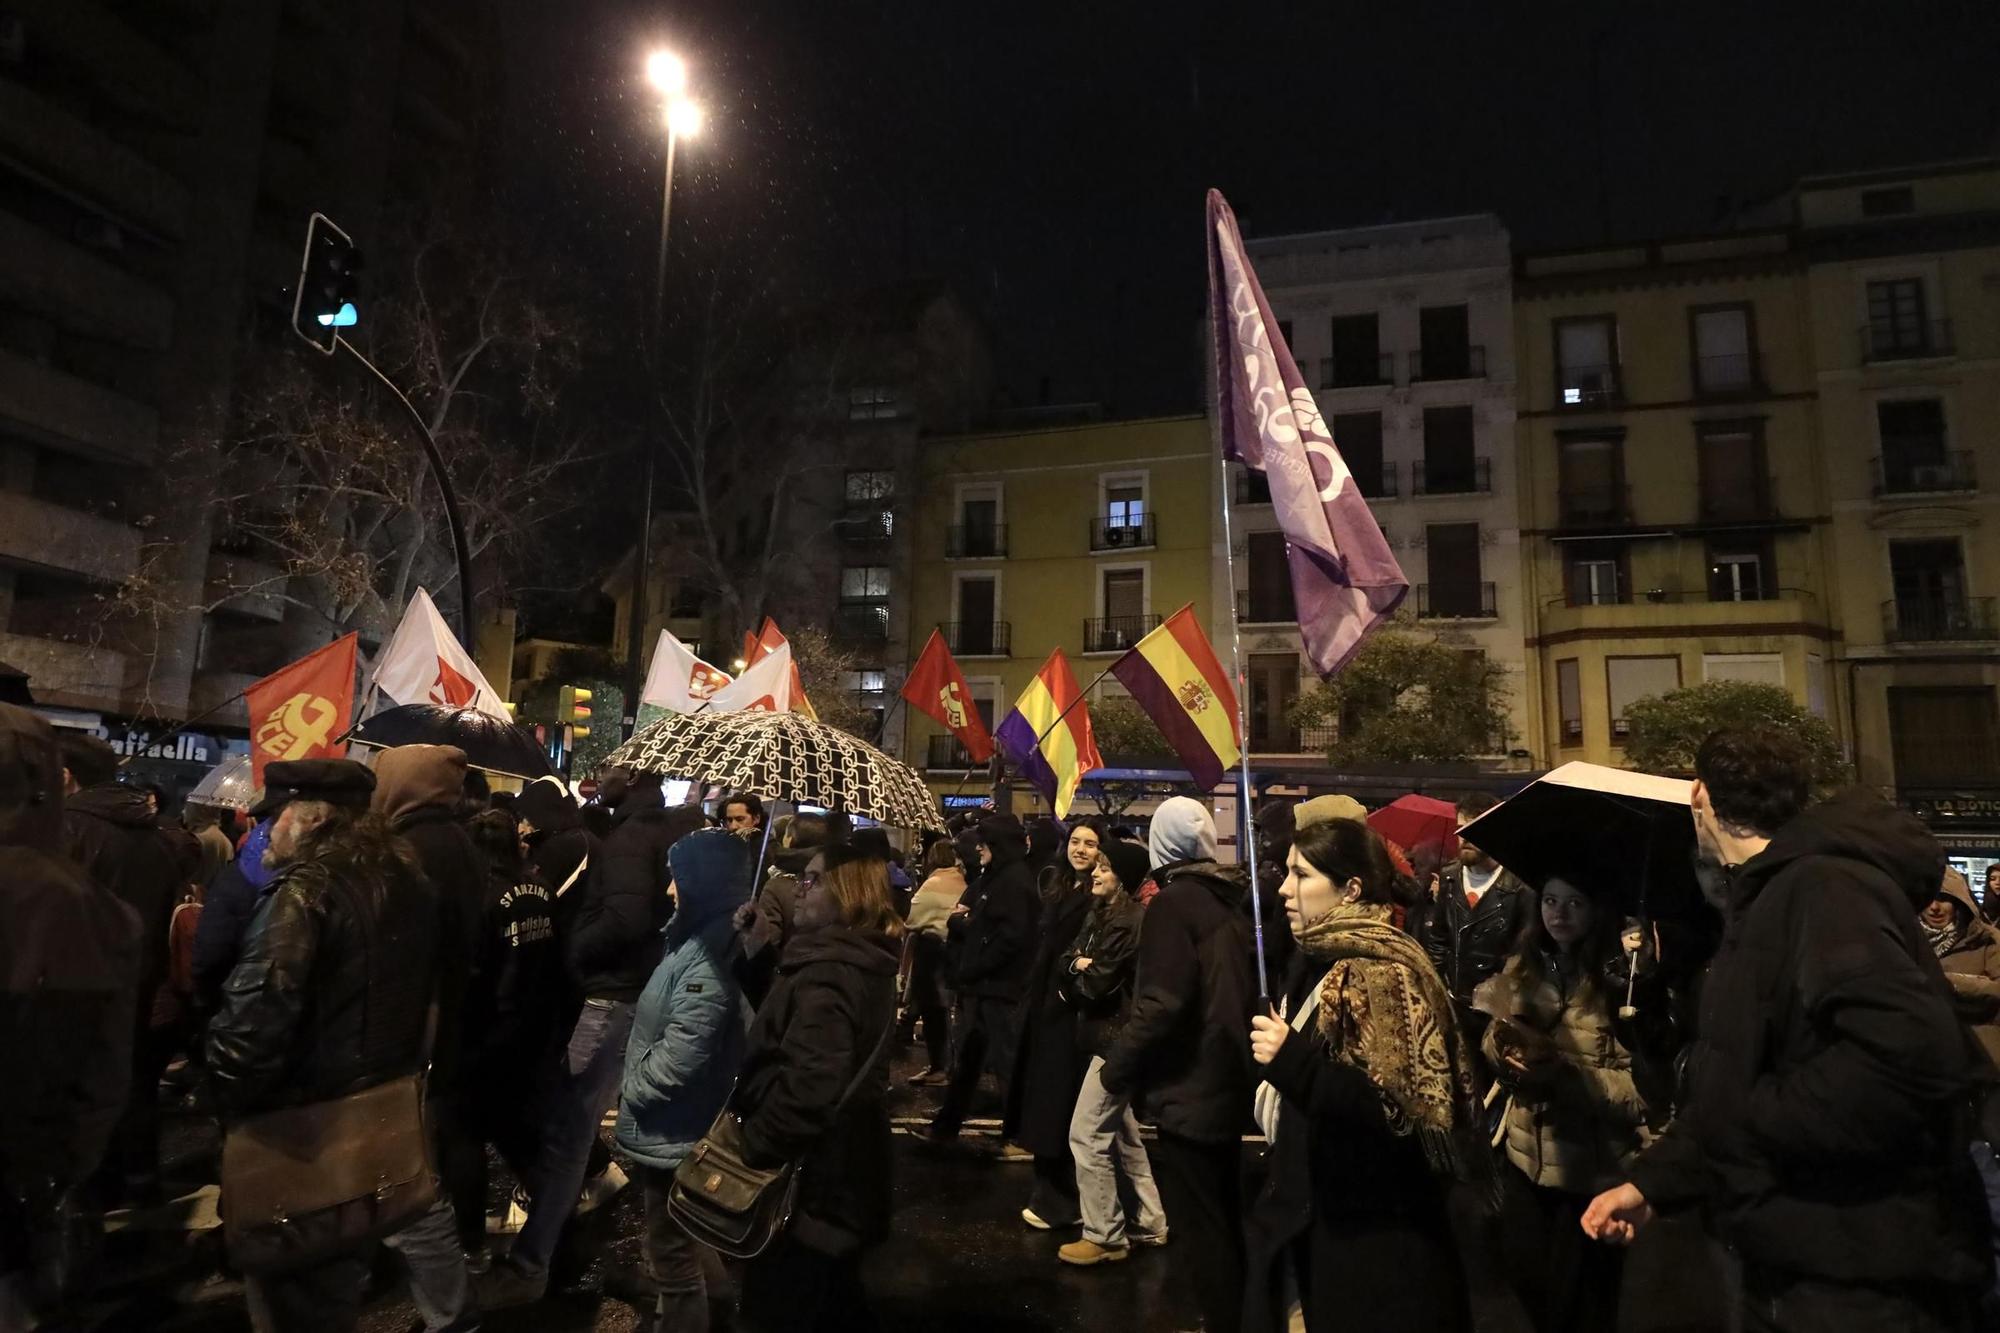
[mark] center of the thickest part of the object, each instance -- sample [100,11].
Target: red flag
[768,640]
[937,688]
[297,713]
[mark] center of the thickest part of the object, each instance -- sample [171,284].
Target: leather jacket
[1467,943]
[336,978]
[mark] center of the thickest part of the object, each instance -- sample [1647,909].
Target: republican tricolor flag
[1173,674]
[1053,754]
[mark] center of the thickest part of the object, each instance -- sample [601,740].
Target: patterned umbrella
[785,756]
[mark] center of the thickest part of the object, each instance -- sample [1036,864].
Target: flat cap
[335,781]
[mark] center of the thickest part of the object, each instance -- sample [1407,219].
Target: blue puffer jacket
[689,1027]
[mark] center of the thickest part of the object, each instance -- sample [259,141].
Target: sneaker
[1085,1253]
[1014,1152]
[931,1078]
[1152,1240]
[508,1284]
[1034,1219]
[600,1190]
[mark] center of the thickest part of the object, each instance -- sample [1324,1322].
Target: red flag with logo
[298,712]
[767,641]
[937,688]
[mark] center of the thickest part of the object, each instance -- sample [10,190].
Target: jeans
[1203,1185]
[926,999]
[1104,1140]
[323,1299]
[986,1040]
[593,1065]
[440,1287]
[689,1276]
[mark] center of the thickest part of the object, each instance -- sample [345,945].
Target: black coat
[834,998]
[515,1006]
[1101,996]
[1823,1127]
[457,873]
[119,843]
[1354,1204]
[996,939]
[1185,1052]
[336,977]
[1048,1062]
[614,939]
[1467,943]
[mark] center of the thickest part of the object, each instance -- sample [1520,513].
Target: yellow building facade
[1674,522]
[1078,537]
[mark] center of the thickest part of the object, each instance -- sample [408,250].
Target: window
[1914,457]
[1124,594]
[1358,436]
[1897,323]
[1444,334]
[1569,700]
[1586,361]
[977,632]
[864,583]
[1125,505]
[1725,351]
[868,680]
[876,402]
[686,603]
[1285,332]
[1738,571]
[1944,736]
[1270,594]
[1274,687]
[1735,485]
[978,532]
[1888,201]
[1755,668]
[1122,620]
[1357,352]
[866,487]
[1928,576]
[1596,573]
[1450,467]
[1629,679]
[1591,481]
[1452,560]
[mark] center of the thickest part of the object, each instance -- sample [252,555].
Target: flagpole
[1080,694]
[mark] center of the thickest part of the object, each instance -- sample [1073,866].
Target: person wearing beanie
[687,1044]
[1097,973]
[996,947]
[1180,1058]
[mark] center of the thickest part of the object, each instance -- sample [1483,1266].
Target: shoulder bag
[731,1206]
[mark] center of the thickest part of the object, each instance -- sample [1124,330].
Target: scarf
[1943,939]
[1383,1011]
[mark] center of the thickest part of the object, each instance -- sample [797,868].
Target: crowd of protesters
[1774,1110]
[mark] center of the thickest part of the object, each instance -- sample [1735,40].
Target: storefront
[1967,821]
[173,761]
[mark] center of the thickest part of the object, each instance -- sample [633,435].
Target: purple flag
[1345,581]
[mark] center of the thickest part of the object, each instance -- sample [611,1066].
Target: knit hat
[1128,861]
[1182,830]
[1322,808]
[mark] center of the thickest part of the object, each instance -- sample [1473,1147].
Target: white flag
[677,679]
[425,664]
[766,686]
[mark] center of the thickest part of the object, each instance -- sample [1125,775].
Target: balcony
[1357,372]
[1595,506]
[71,675]
[79,291]
[1266,608]
[945,752]
[1115,634]
[862,622]
[1383,479]
[865,525]
[1456,601]
[238,585]
[1727,375]
[978,542]
[1746,504]
[1905,341]
[50,139]
[1917,469]
[35,534]
[74,415]
[979,638]
[1637,613]
[1458,363]
[1939,620]
[1589,386]
[1121,534]
[1473,477]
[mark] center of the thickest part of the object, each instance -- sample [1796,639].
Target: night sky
[1049,159]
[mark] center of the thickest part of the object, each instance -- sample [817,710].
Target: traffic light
[323,305]
[573,709]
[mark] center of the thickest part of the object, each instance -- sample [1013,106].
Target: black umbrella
[1600,828]
[490,743]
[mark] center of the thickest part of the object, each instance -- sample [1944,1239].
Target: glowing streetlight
[667,72]
[683,117]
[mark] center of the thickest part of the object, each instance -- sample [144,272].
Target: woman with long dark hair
[1368,1106]
[1573,1115]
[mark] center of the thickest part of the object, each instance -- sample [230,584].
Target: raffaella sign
[186,747]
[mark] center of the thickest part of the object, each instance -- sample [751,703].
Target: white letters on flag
[766,686]
[425,664]
[677,679]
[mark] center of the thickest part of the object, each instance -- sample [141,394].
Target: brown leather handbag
[305,1183]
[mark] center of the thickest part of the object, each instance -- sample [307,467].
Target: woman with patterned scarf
[1368,1105]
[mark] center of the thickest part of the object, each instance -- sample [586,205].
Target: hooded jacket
[1972,967]
[1823,1125]
[1184,1054]
[68,986]
[1182,831]
[690,1026]
[614,940]
[227,906]
[110,832]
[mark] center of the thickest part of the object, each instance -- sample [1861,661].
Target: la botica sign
[1953,805]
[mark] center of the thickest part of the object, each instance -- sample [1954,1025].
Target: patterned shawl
[1383,1011]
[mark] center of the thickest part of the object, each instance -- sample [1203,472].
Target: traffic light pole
[635,623]
[452,517]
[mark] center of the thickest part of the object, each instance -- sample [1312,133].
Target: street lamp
[682,117]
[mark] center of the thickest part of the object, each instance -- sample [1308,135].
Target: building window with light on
[875,402]
[864,487]
[1586,361]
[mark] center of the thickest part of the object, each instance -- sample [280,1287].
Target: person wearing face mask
[1573,1116]
[1822,1131]
[1048,1063]
[1368,1105]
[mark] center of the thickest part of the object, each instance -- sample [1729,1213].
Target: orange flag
[767,641]
[297,712]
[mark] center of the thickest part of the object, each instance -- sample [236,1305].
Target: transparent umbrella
[227,786]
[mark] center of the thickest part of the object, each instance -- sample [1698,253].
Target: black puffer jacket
[336,976]
[614,939]
[1101,995]
[1049,1063]
[1185,1051]
[1469,943]
[996,939]
[1824,1126]
[119,843]
[834,999]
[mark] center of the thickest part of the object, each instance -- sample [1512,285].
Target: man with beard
[1822,1132]
[1479,910]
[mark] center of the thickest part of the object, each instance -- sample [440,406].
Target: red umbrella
[1412,821]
